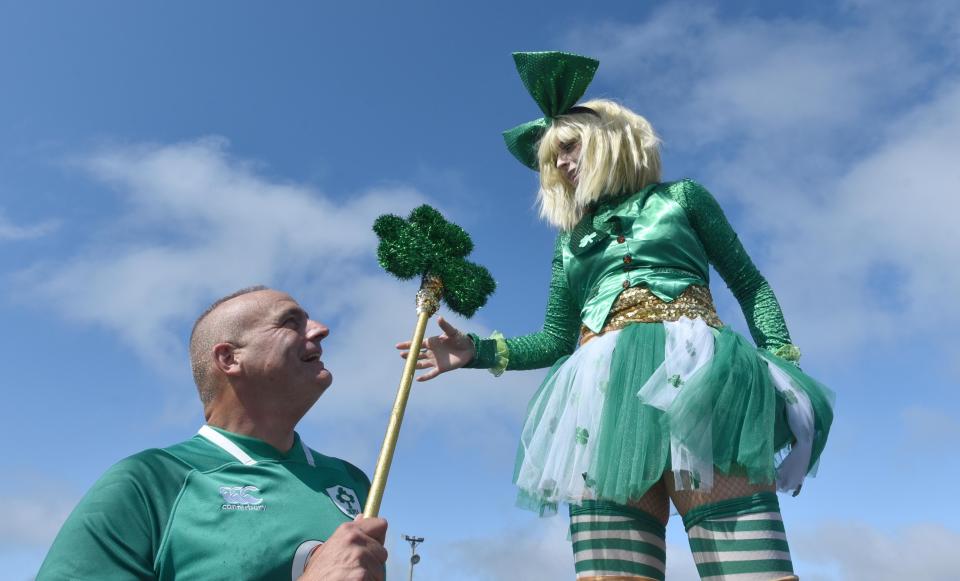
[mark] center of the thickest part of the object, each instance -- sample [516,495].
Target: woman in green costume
[650,398]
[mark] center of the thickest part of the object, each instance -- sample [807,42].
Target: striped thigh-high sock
[739,539]
[613,540]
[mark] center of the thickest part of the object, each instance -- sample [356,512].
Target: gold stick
[428,300]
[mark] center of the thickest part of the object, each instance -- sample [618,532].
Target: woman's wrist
[788,352]
[489,353]
[474,361]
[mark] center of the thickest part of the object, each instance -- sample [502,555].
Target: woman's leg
[735,530]
[613,542]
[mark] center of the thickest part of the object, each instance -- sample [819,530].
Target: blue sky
[156,156]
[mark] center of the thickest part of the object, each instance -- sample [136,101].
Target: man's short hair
[204,336]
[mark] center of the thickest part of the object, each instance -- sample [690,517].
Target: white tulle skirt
[682,396]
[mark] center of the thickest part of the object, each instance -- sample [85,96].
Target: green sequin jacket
[663,237]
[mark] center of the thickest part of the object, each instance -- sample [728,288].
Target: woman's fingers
[428,342]
[449,329]
[435,351]
[422,355]
[429,375]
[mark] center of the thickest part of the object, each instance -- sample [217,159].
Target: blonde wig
[619,153]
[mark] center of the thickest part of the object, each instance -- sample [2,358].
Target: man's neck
[278,434]
[258,412]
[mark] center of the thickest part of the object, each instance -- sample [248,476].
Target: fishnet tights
[724,487]
[656,502]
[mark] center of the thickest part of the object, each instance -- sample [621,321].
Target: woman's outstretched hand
[441,353]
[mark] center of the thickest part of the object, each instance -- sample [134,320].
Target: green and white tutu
[611,419]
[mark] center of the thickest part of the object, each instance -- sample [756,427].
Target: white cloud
[878,244]
[855,551]
[538,550]
[11,231]
[196,223]
[729,76]
[35,509]
[837,139]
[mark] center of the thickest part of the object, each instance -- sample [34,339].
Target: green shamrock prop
[428,246]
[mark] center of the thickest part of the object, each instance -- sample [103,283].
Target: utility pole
[414,557]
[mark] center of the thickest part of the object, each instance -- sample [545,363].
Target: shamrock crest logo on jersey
[345,499]
[240,498]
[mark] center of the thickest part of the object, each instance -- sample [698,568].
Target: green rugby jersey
[217,506]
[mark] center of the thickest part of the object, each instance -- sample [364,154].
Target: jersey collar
[249,451]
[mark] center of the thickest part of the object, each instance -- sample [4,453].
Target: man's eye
[292,323]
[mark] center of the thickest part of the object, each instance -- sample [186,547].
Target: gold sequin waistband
[639,305]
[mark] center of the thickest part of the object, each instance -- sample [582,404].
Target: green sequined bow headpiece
[556,81]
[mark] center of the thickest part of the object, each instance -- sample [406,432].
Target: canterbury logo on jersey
[241,498]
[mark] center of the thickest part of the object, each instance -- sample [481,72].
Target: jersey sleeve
[115,530]
[726,253]
[360,477]
[557,338]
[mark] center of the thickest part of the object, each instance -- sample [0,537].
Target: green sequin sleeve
[726,253]
[561,327]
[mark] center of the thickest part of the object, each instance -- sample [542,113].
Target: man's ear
[225,357]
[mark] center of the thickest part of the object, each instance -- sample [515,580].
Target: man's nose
[316,331]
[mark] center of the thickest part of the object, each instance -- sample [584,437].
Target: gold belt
[639,305]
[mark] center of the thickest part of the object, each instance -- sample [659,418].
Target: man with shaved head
[245,498]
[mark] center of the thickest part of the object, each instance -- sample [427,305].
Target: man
[245,498]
